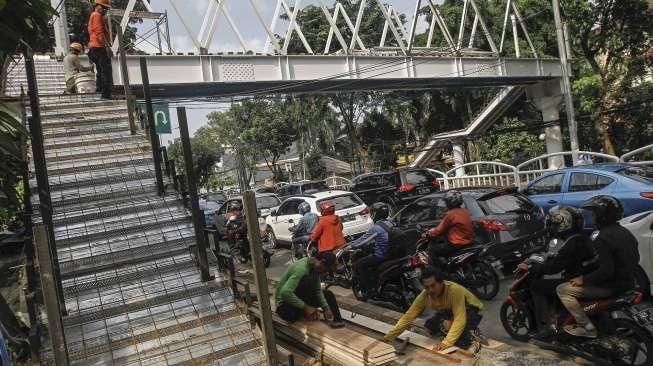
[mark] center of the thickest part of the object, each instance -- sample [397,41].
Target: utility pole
[260,277]
[566,83]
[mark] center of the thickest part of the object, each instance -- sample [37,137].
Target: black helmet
[564,220]
[303,208]
[453,199]
[606,210]
[235,205]
[380,211]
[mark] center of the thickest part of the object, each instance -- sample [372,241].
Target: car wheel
[642,283]
[272,239]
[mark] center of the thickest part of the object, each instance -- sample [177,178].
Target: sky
[224,38]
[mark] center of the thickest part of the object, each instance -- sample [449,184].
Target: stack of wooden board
[343,346]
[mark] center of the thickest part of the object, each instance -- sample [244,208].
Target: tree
[379,135]
[206,154]
[272,131]
[509,142]
[316,170]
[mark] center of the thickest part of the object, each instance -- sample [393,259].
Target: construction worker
[72,66]
[99,48]
[458,311]
[328,232]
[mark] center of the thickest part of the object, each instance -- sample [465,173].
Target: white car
[641,226]
[355,215]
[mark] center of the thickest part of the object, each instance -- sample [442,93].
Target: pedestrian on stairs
[299,292]
[72,66]
[99,48]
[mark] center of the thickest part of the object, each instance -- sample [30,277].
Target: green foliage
[24,22]
[379,135]
[218,181]
[12,139]
[505,143]
[315,169]
[206,154]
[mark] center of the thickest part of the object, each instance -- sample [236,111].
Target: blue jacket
[380,236]
[306,225]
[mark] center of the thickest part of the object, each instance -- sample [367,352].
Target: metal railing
[483,173]
[338,183]
[631,157]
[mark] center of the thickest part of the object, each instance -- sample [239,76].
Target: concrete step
[85,261]
[97,129]
[50,108]
[89,120]
[76,110]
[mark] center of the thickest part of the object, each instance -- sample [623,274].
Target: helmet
[327,208]
[105,3]
[380,211]
[77,47]
[304,208]
[453,199]
[235,205]
[606,210]
[564,220]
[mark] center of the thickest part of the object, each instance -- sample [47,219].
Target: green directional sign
[161,117]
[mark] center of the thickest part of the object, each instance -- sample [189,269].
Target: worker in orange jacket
[99,47]
[328,232]
[455,231]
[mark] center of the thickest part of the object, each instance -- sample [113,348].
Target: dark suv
[300,188]
[396,188]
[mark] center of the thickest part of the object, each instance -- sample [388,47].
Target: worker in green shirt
[458,311]
[299,292]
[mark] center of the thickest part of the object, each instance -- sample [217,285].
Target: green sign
[161,115]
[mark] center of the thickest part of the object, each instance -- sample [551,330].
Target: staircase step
[81,121]
[75,147]
[98,177]
[94,163]
[50,108]
[96,129]
[142,298]
[118,191]
[110,209]
[75,234]
[94,262]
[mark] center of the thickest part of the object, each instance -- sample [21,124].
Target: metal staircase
[132,292]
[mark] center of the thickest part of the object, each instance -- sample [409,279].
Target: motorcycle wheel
[358,291]
[642,341]
[485,281]
[517,322]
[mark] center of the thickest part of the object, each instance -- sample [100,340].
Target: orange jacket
[97,31]
[457,225]
[328,233]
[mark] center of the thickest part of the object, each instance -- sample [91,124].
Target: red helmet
[327,208]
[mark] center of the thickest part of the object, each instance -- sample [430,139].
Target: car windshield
[267,202]
[639,173]
[217,197]
[343,202]
[418,177]
[506,204]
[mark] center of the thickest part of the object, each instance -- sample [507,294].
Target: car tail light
[493,225]
[365,211]
[406,188]
[647,195]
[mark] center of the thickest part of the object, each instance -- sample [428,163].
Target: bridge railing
[338,183]
[536,167]
[636,156]
[482,173]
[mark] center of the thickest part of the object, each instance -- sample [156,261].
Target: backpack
[397,241]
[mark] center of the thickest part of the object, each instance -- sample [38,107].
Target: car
[396,188]
[631,185]
[265,202]
[506,221]
[218,197]
[300,188]
[355,215]
[641,226]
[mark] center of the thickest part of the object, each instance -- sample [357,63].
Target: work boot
[576,330]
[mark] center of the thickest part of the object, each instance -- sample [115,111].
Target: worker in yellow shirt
[458,311]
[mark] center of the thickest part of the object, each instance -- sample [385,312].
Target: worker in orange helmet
[328,232]
[99,47]
[72,66]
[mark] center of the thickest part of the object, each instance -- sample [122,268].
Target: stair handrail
[625,158]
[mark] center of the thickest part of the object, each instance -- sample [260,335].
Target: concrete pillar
[60,24]
[548,99]
[458,158]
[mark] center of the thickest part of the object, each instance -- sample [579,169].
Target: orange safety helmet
[77,46]
[105,3]
[327,208]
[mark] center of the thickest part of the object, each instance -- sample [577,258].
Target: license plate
[348,218]
[423,191]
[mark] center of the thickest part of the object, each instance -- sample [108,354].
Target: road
[520,354]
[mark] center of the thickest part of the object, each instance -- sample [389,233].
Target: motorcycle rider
[569,253]
[299,292]
[458,311]
[302,232]
[233,227]
[328,232]
[617,258]
[365,267]
[456,229]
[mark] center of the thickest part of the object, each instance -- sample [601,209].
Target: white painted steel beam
[257,71]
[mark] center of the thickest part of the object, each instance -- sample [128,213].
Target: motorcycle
[397,283]
[467,268]
[236,230]
[622,326]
